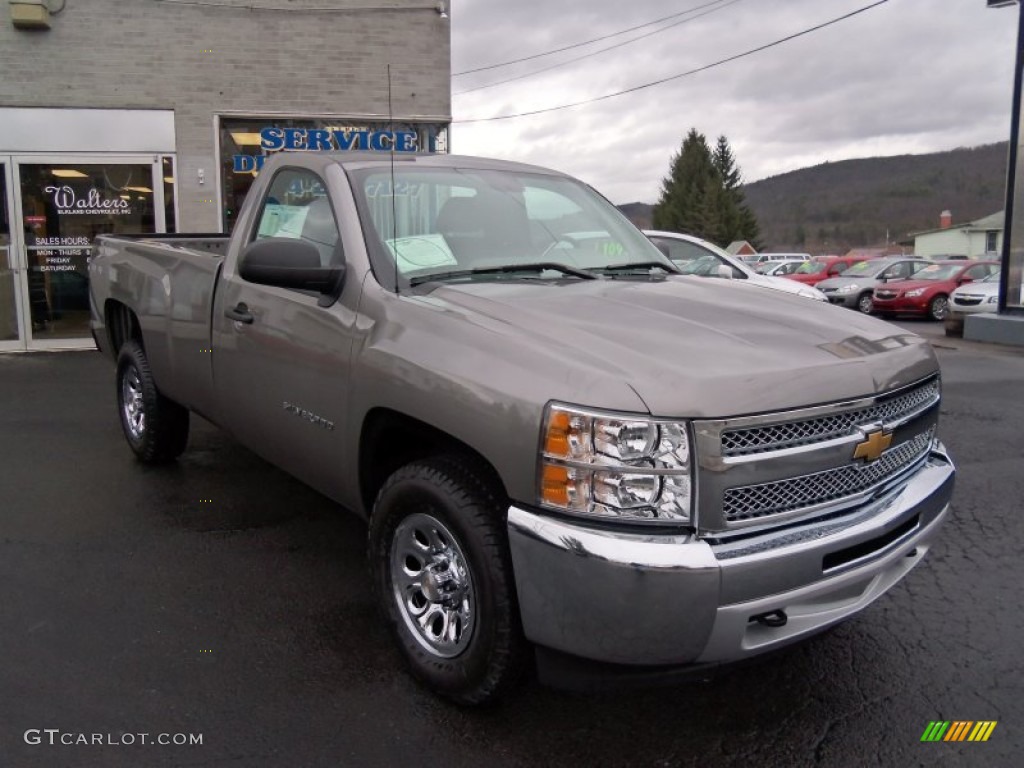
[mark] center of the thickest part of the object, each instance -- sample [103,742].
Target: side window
[296,206]
[900,271]
[679,250]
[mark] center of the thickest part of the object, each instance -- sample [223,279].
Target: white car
[761,258]
[694,256]
[777,268]
[979,296]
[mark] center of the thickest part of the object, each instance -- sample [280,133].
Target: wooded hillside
[833,207]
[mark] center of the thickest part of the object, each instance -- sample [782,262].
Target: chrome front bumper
[654,599]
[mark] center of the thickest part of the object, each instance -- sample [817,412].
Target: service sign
[273,139]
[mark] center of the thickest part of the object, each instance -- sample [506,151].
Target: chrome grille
[775,437]
[754,501]
[967,301]
[886,294]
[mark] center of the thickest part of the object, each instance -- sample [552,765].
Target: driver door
[281,362]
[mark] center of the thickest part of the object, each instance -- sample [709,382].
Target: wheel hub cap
[432,585]
[131,403]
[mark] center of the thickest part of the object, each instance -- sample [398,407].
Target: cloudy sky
[909,76]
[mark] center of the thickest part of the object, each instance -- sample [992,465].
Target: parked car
[564,451]
[822,267]
[927,291]
[972,299]
[694,256]
[761,258]
[854,288]
[777,268]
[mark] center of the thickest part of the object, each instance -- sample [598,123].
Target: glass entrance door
[63,203]
[10,338]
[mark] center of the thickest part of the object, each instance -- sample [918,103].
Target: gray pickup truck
[567,453]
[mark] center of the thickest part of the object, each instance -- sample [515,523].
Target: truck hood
[786,286]
[690,346]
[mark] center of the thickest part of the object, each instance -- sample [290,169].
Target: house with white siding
[981,238]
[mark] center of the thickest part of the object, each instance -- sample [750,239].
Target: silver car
[854,287]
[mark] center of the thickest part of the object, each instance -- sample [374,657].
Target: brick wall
[201,61]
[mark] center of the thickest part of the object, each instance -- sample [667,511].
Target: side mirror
[290,263]
[963,280]
[724,270]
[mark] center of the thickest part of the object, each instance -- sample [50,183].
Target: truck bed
[168,283]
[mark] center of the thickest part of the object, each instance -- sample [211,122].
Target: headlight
[992,300]
[915,293]
[615,466]
[848,288]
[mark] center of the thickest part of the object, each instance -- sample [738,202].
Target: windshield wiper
[505,269]
[636,266]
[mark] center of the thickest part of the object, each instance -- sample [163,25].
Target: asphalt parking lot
[220,597]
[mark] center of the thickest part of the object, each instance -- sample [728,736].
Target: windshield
[812,268]
[938,272]
[466,223]
[704,266]
[866,268]
[993,278]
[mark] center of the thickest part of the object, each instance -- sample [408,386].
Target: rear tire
[155,427]
[442,574]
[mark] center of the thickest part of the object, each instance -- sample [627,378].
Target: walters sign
[68,203]
[323,140]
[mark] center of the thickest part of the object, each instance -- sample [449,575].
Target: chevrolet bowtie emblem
[873,445]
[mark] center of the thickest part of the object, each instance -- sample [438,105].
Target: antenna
[394,207]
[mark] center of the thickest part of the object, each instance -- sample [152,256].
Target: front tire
[865,303]
[442,574]
[156,428]
[938,307]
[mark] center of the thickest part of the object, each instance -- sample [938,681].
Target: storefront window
[246,142]
[65,206]
[170,219]
[1014,267]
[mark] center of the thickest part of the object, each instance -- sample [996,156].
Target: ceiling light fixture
[246,138]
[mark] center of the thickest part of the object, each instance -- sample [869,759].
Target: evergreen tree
[737,220]
[702,194]
[684,205]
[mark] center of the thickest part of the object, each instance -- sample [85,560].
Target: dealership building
[155,116]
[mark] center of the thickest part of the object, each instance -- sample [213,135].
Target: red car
[927,292]
[823,267]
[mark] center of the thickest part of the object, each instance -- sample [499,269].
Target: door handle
[240,313]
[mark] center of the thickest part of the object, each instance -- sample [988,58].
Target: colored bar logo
[959,730]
